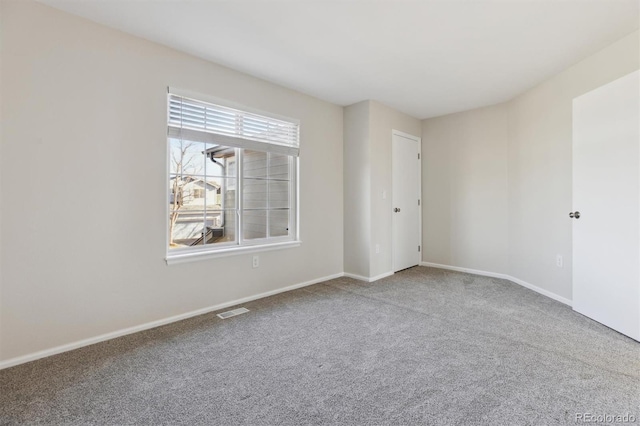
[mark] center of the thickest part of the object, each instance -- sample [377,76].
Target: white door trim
[418,139]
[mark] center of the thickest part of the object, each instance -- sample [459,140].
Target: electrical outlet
[256,261]
[377,248]
[384,194]
[559,261]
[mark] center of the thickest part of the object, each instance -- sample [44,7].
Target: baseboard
[504,277]
[368,279]
[356,277]
[153,324]
[541,291]
[467,270]
[381,276]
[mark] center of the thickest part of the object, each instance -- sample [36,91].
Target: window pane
[255,163]
[278,223]
[194,192]
[186,157]
[213,219]
[220,161]
[178,195]
[278,194]
[279,166]
[220,193]
[227,195]
[255,194]
[255,224]
[226,231]
[185,227]
[221,226]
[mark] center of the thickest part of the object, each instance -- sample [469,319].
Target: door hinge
[418,248]
[418,202]
[418,156]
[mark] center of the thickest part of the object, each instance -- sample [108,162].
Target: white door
[606,196]
[405,200]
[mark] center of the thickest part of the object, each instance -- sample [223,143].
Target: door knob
[575,215]
[397,210]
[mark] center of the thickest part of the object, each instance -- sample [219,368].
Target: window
[232,178]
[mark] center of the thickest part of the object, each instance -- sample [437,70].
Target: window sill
[173,259]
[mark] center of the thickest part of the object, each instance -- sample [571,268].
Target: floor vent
[232,313]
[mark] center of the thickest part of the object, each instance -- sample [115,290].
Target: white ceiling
[425,58]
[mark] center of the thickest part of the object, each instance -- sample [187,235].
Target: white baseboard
[381,276]
[467,270]
[356,277]
[368,279]
[153,324]
[541,291]
[501,276]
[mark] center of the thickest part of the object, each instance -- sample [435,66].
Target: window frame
[240,246]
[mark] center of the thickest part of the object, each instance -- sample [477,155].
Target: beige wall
[464,184]
[83,149]
[357,189]
[520,150]
[367,161]
[540,165]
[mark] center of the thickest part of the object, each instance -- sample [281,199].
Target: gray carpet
[425,346]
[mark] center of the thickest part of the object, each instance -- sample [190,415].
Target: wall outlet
[377,248]
[559,261]
[384,194]
[256,261]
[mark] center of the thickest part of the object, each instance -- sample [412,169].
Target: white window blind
[195,120]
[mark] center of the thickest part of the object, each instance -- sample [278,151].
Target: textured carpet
[424,346]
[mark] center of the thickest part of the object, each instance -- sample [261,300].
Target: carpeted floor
[424,346]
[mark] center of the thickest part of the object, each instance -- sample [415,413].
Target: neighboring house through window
[232,178]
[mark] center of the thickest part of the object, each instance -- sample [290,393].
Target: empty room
[342,212]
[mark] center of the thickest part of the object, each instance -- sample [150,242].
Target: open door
[606,205]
